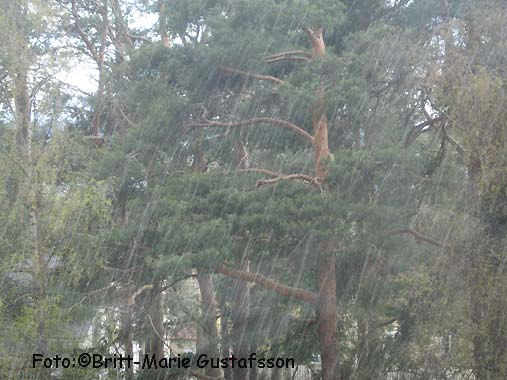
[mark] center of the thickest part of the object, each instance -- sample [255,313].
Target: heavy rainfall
[253,189]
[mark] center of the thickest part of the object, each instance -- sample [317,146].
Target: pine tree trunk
[327,315]
[240,324]
[162,27]
[486,275]
[155,345]
[224,335]
[210,332]
[326,309]
[127,340]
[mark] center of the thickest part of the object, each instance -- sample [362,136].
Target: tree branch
[249,74]
[84,37]
[454,143]
[419,237]
[89,295]
[418,129]
[139,38]
[289,53]
[384,323]
[261,171]
[294,55]
[257,120]
[314,181]
[132,299]
[268,283]
[288,58]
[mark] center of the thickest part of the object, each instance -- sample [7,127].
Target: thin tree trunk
[209,310]
[240,323]
[122,39]
[162,26]
[127,340]
[97,115]
[224,334]
[252,325]
[22,105]
[155,322]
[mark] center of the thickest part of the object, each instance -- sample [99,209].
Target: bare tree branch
[314,181]
[288,58]
[419,237]
[289,53]
[293,55]
[257,120]
[249,74]
[261,171]
[268,283]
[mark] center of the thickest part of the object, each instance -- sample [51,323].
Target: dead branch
[419,237]
[268,283]
[293,55]
[261,171]
[314,181]
[257,120]
[249,74]
[288,58]
[291,52]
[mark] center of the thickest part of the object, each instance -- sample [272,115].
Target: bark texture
[268,283]
[240,314]
[327,308]
[155,321]
[210,331]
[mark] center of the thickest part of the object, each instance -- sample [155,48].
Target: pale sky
[83,72]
